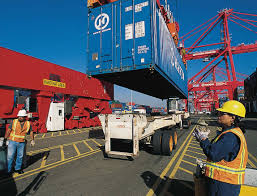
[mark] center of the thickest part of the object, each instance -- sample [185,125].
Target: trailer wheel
[157,140]
[175,139]
[167,143]
[186,123]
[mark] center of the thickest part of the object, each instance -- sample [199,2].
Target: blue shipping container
[129,45]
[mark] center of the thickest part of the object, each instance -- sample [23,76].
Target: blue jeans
[12,148]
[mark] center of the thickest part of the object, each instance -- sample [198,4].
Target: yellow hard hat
[233,107]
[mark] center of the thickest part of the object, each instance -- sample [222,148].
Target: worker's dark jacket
[227,148]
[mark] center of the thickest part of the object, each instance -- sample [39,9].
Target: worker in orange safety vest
[16,134]
[227,153]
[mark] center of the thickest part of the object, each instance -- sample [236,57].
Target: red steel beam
[214,86]
[213,53]
[198,27]
[213,89]
[206,32]
[207,66]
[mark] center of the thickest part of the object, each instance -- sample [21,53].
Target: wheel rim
[171,143]
[175,138]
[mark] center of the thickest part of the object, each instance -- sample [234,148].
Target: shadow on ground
[31,159]
[175,187]
[7,185]
[96,134]
[33,187]
[106,156]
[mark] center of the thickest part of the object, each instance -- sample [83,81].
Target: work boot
[19,171]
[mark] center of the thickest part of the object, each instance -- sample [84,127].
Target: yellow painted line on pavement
[248,190]
[76,148]
[251,163]
[57,135]
[252,157]
[43,135]
[87,145]
[195,147]
[195,141]
[193,164]
[47,167]
[190,156]
[195,144]
[15,175]
[165,171]
[185,170]
[43,163]
[60,133]
[55,147]
[96,142]
[196,152]
[79,130]
[171,176]
[62,152]
[57,162]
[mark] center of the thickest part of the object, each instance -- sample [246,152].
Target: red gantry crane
[206,94]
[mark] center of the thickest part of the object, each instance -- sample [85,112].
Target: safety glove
[201,135]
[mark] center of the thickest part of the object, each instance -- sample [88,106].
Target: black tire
[175,139]
[186,123]
[167,143]
[157,139]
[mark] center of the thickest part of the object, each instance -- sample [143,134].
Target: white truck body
[135,127]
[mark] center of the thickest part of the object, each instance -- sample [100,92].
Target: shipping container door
[106,22]
[100,38]
[94,42]
[143,32]
[117,35]
[127,34]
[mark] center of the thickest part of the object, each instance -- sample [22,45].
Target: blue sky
[55,31]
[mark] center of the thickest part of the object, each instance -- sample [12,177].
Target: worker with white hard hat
[227,153]
[16,134]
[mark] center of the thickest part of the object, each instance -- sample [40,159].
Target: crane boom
[214,53]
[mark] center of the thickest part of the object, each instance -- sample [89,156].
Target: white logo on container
[101,21]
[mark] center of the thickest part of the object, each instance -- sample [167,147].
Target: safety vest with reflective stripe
[232,172]
[18,134]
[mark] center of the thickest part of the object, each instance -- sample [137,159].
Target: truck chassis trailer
[158,131]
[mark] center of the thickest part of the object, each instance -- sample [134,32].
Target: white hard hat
[22,113]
